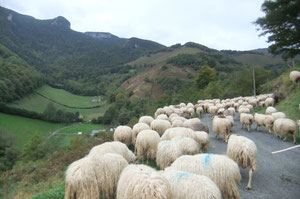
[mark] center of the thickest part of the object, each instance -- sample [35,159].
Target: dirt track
[278,175]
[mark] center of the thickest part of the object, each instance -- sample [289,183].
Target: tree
[282,24]
[33,149]
[205,75]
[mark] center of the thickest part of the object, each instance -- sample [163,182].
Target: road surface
[278,175]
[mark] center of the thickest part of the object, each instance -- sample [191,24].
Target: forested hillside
[70,59]
[17,78]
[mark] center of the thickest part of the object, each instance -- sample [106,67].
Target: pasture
[60,98]
[23,128]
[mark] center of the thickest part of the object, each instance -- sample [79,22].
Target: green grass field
[64,97]
[23,128]
[37,103]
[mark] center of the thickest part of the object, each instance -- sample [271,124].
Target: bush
[8,151]
[76,141]
[57,193]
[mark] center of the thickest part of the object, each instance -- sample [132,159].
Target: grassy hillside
[64,97]
[289,104]
[23,128]
[38,103]
[163,56]
[258,59]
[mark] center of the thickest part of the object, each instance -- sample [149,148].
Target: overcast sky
[219,24]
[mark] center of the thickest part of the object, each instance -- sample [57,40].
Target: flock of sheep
[179,144]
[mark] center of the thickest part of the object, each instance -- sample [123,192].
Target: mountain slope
[17,78]
[63,54]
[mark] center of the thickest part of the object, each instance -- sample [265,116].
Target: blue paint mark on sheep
[180,138]
[181,175]
[207,159]
[168,142]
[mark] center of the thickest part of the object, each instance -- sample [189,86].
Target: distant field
[162,56]
[67,133]
[37,103]
[67,98]
[23,128]
[258,59]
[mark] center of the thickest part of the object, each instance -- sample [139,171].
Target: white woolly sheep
[141,181]
[94,176]
[113,147]
[138,128]
[177,123]
[177,131]
[219,168]
[270,110]
[188,145]
[269,101]
[268,122]
[246,120]
[203,140]
[295,76]
[243,151]
[173,115]
[278,115]
[285,126]
[186,185]
[230,118]
[221,125]
[259,120]
[191,111]
[182,104]
[185,113]
[160,125]
[230,111]
[167,152]
[199,111]
[146,119]
[196,125]
[81,180]
[159,111]
[213,109]
[123,134]
[162,117]
[177,118]
[146,144]
[244,109]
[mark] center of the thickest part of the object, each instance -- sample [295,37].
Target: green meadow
[24,128]
[38,103]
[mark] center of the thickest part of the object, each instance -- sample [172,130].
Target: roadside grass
[290,104]
[24,128]
[44,178]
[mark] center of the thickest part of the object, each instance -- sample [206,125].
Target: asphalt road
[277,176]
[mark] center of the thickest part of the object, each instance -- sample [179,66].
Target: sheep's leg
[250,178]
[284,138]
[294,139]
[248,128]
[256,127]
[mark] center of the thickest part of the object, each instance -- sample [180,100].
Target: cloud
[220,24]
